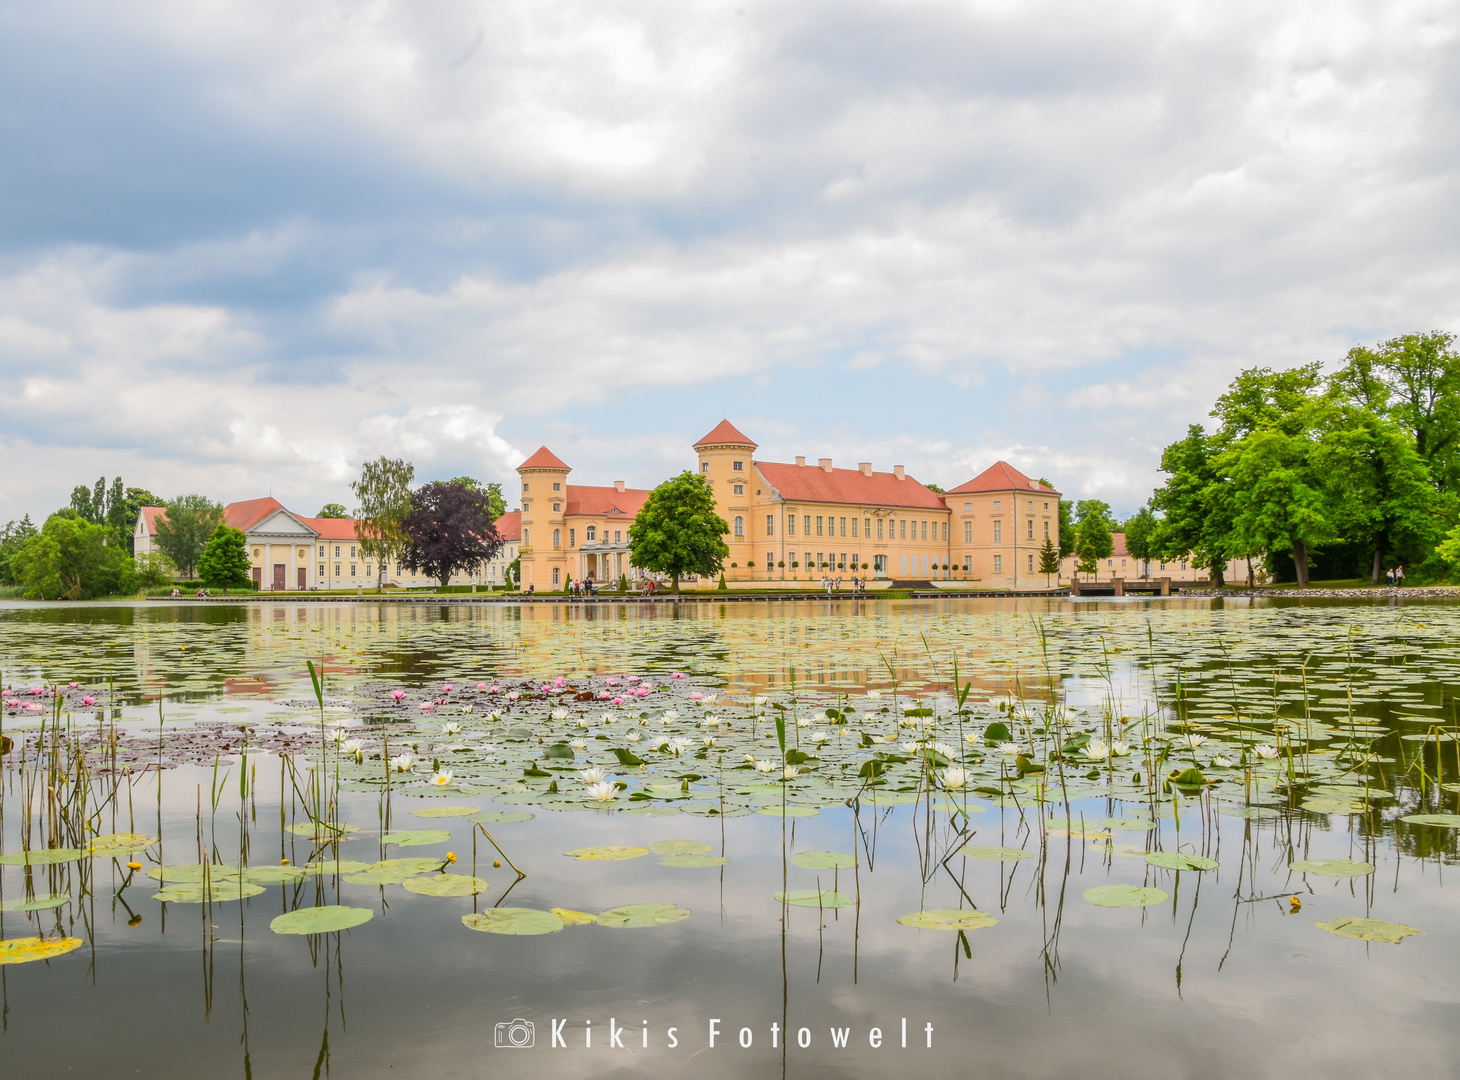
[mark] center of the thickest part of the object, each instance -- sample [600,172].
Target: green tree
[333,510]
[71,558]
[1087,560]
[936,488]
[224,563]
[496,502]
[383,495]
[1049,559]
[12,536]
[677,531]
[1094,523]
[124,506]
[152,570]
[1195,504]
[183,531]
[1140,533]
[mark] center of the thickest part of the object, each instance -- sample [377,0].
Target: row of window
[999,531]
[557,486]
[837,526]
[590,536]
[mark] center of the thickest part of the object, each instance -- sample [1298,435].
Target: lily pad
[1180,860]
[1333,867]
[823,898]
[948,919]
[44,903]
[1125,895]
[416,837]
[192,873]
[513,920]
[331,829]
[1443,821]
[25,949]
[693,860]
[502,817]
[993,854]
[611,853]
[275,875]
[446,811]
[1369,929]
[790,811]
[326,919]
[681,847]
[393,871]
[640,915]
[338,866]
[42,857]
[574,918]
[445,885]
[824,860]
[217,891]
[113,844]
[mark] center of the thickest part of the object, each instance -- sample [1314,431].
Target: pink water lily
[677,675]
[73,685]
[397,695]
[427,705]
[560,681]
[88,701]
[603,695]
[612,682]
[696,696]
[633,678]
[618,701]
[481,686]
[446,689]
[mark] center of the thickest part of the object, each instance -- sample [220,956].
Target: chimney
[897,471]
[618,485]
[825,463]
[865,468]
[801,461]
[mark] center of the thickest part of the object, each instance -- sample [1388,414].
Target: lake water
[972,768]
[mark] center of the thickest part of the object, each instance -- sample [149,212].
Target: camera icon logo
[515,1034]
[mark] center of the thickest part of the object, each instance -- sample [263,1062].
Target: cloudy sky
[245,245]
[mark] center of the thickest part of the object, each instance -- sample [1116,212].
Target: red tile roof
[244,515]
[509,525]
[1000,476]
[150,514]
[605,500]
[544,459]
[725,434]
[811,483]
[1120,551]
[332,528]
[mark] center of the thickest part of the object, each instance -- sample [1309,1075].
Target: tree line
[1348,474]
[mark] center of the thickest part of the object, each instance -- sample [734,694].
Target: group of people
[1395,577]
[585,587]
[830,584]
[201,593]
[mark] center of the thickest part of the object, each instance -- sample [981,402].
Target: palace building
[794,522]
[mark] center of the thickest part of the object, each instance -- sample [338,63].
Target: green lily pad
[513,920]
[275,875]
[1333,867]
[393,871]
[611,853]
[651,810]
[1369,929]
[790,811]
[416,837]
[574,918]
[640,915]
[993,854]
[445,885]
[42,857]
[693,860]
[502,817]
[44,903]
[446,811]
[824,860]
[326,919]
[681,847]
[1329,804]
[338,866]
[1125,895]
[948,919]
[25,949]
[1256,813]
[822,898]
[217,891]
[192,873]
[328,829]
[1179,860]
[114,844]
[1443,821]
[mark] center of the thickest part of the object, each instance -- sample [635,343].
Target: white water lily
[1194,741]
[709,740]
[1009,749]
[657,742]
[708,699]
[758,700]
[1096,750]
[765,766]
[355,748]
[1119,749]
[750,759]
[677,746]
[953,778]
[711,721]
[578,744]
[451,729]
[791,772]
[607,718]
[401,763]
[602,792]
[442,779]
[592,776]
[875,695]
[1221,761]
[633,736]
[669,716]
[819,737]
[944,749]
[907,746]
[1265,752]
[495,715]
[560,714]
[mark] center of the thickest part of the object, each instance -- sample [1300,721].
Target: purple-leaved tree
[449,528]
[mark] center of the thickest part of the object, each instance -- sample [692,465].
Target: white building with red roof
[799,523]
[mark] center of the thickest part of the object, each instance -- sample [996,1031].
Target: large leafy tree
[449,527]
[496,502]
[383,498]
[224,562]
[1094,523]
[1195,506]
[72,559]
[1140,535]
[184,530]
[12,536]
[677,531]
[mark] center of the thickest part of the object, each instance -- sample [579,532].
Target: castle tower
[725,460]
[543,550]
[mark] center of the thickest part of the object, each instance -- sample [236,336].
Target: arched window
[557,538]
[740,527]
[591,533]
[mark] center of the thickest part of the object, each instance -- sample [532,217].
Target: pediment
[281,523]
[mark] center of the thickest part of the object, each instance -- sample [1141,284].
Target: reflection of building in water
[1120,563]
[288,551]
[800,523]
